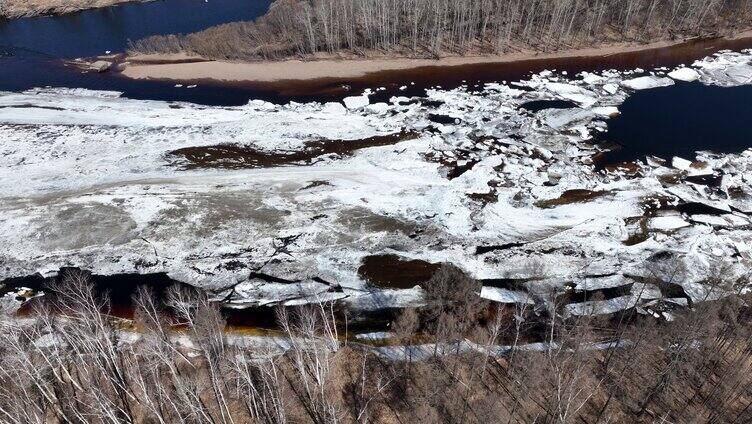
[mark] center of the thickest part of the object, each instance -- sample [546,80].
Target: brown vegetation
[75,364]
[434,27]
[233,156]
[12,9]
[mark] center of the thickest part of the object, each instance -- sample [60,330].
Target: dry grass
[13,9]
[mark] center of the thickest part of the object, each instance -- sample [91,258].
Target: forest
[431,28]
[456,360]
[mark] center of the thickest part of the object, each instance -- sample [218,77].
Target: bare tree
[435,27]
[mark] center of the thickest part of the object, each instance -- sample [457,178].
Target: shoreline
[184,68]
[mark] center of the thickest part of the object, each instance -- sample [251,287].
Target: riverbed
[598,177]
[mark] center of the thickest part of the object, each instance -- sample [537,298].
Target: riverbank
[15,9]
[182,67]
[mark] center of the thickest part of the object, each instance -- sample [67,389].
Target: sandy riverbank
[176,67]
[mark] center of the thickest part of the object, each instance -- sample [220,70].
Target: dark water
[680,120]
[395,272]
[32,49]
[539,105]
[22,73]
[93,32]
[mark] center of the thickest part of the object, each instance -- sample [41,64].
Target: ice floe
[684,74]
[88,179]
[646,82]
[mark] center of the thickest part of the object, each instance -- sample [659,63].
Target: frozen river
[287,204]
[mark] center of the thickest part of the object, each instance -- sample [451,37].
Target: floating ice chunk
[378,108]
[728,220]
[334,107]
[591,79]
[356,102]
[668,223]
[566,118]
[681,163]
[388,298]
[611,88]
[712,220]
[598,283]
[445,129]
[252,294]
[689,194]
[684,74]
[585,98]
[262,105]
[646,291]
[606,111]
[501,295]
[699,292]
[740,74]
[601,307]
[644,83]
[375,336]
[315,298]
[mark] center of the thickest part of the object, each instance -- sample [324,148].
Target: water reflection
[94,32]
[679,120]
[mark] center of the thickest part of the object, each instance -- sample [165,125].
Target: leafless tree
[435,27]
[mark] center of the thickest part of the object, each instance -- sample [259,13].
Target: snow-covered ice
[646,82]
[684,74]
[87,180]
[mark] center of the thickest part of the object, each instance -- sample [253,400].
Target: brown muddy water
[571,196]
[477,74]
[232,156]
[119,290]
[395,272]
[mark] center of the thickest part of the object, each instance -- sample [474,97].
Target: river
[494,178]
[33,50]
[33,53]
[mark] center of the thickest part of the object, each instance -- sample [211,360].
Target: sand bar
[172,67]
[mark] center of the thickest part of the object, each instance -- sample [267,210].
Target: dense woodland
[74,363]
[436,27]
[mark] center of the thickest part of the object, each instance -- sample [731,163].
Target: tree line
[73,363]
[435,27]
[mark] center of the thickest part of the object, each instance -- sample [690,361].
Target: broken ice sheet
[85,181]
